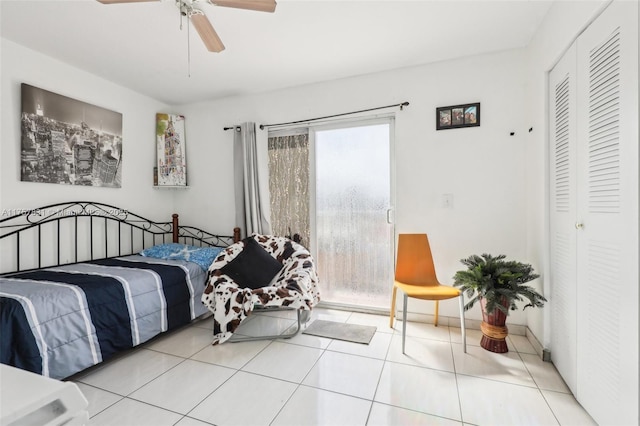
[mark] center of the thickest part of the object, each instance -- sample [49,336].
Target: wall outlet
[447,201]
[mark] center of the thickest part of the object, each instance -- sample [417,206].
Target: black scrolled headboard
[78,231]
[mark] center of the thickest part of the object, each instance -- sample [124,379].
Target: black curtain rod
[401,105]
[231,128]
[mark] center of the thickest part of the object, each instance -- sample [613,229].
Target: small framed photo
[457,116]
[444,117]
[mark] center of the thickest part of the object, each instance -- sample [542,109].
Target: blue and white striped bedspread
[58,321]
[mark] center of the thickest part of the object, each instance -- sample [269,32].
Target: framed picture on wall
[67,141]
[457,116]
[171,151]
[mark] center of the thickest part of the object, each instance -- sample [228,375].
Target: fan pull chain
[189,48]
[183,12]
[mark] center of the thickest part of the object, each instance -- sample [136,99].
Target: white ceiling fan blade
[259,5]
[207,33]
[123,1]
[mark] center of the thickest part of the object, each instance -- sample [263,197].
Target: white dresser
[30,399]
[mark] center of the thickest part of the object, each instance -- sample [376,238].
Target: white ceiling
[141,45]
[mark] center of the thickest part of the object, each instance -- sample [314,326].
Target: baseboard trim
[516,329]
[353,308]
[542,352]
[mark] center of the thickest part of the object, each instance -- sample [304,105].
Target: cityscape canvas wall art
[67,141]
[171,151]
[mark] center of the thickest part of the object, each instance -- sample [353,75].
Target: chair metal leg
[462,326]
[236,339]
[437,306]
[392,314]
[404,321]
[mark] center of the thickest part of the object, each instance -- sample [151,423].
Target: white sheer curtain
[252,201]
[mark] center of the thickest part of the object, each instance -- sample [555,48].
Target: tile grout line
[538,389]
[298,385]
[384,363]
[455,372]
[237,370]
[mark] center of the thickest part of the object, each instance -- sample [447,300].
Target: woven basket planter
[494,330]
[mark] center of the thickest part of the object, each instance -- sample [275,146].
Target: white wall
[564,21]
[483,167]
[21,65]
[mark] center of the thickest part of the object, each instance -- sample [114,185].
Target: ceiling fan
[205,30]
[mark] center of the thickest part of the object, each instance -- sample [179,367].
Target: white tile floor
[180,379]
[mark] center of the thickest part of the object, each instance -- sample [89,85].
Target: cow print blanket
[296,285]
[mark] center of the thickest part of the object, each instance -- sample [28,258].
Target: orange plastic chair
[416,277]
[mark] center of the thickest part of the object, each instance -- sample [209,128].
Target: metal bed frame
[131,232]
[112,231]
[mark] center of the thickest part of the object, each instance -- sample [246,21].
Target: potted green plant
[497,284]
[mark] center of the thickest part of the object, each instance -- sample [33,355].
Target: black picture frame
[458,116]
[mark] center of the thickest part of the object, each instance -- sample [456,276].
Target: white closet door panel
[607,244]
[562,155]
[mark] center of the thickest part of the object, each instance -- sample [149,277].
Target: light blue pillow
[203,256]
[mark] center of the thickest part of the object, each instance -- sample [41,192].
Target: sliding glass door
[352,233]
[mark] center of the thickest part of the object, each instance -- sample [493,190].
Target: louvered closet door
[562,153]
[607,243]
